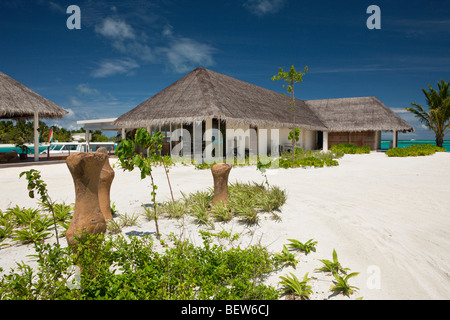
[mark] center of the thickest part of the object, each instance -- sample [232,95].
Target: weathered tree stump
[220,174]
[87,218]
[104,187]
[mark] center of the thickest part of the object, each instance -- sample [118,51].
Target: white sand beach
[387,218]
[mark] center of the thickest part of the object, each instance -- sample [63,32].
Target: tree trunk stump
[220,174]
[87,218]
[104,187]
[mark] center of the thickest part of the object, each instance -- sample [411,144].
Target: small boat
[67,148]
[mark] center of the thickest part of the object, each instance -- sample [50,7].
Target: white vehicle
[67,148]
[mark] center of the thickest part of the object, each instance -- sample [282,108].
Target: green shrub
[131,269]
[414,150]
[350,148]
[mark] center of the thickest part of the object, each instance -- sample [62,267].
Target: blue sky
[127,51]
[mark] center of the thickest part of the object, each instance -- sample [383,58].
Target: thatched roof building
[357,115]
[18,101]
[204,94]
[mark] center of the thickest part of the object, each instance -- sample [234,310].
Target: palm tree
[438,116]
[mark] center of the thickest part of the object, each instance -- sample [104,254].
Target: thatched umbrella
[204,94]
[18,101]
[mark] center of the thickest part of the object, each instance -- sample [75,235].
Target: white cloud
[75,102]
[113,67]
[399,110]
[86,90]
[185,54]
[115,29]
[124,38]
[264,7]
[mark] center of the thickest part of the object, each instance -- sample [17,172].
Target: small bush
[414,150]
[350,148]
[131,269]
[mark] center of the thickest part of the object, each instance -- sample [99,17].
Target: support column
[36,137]
[325,141]
[198,141]
[87,136]
[124,134]
[395,139]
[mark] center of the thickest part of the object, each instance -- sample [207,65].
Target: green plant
[291,77]
[332,266]
[261,167]
[35,232]
[437,118]
[35,183]
[291,285]
[129,268]
[128,160]
[174,209]
[23,216]
[286,258]
[113,226]
[306,247]
[342,285]
[128,220]
[221,211]
[414,150]
[114,210]
[7,225]
[350,148]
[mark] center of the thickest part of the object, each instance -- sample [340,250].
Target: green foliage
[7,225]
[307,162]
[342,285]
[294,135]
[414,150]
[34,232]
[437,118]
[23,216]
[128,220]
[333,266]
[291,285]
[350,148]
[131,269]
[36,184]
[291,77]
[246,201]
[128,160]
[306,247]
[286,258]
[302,159]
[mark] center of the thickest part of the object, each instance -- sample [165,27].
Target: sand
[387,218]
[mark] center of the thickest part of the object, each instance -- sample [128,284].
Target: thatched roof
[357,115]
[18,101]
[204,94]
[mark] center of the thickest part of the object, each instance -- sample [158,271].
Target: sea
[384,145]
[407,143]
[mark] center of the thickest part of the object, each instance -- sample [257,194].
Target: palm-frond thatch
[357,115]
[204,94]
[18,101]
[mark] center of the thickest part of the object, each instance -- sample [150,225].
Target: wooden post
[36,136]
[395,139]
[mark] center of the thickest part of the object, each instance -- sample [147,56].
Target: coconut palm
[438,116]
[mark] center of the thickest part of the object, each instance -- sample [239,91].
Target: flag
[50,136]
